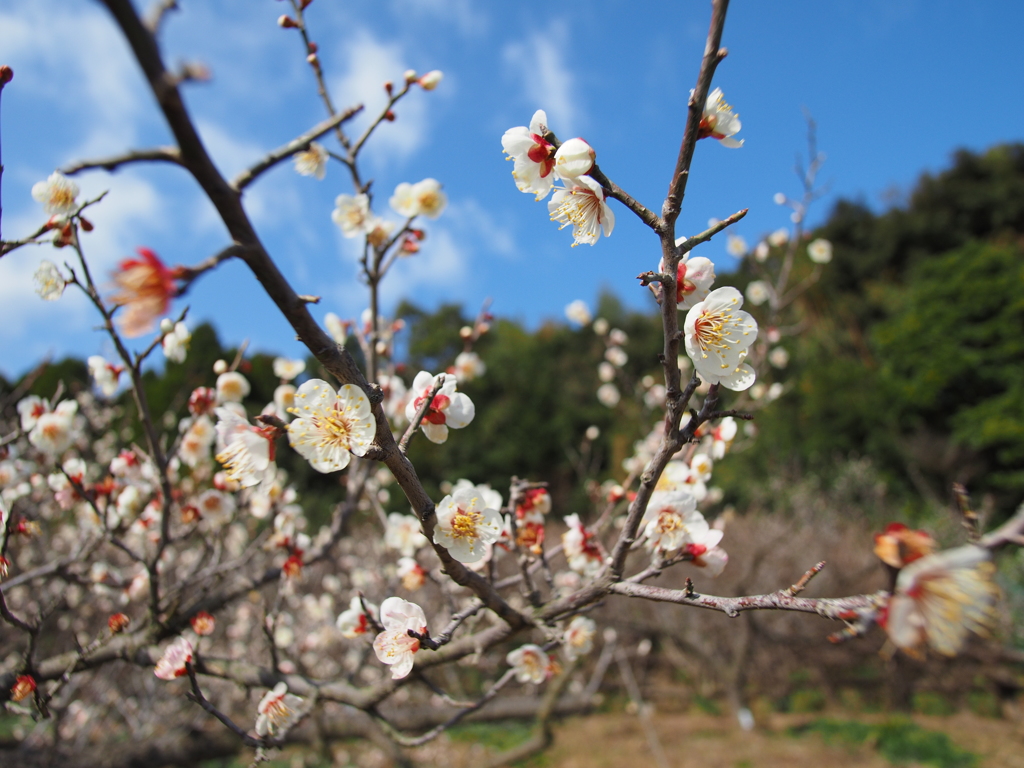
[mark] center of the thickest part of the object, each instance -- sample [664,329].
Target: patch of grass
[498,736]
[898,740]
[807,700]
[706,705]
[931,703]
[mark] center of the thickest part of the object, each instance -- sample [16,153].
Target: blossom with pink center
[145,288]
[530,662]
[404,534]
[105,375]
[533,505]
[581,550]
[719,121]
[424,198]
[940,598]
[466,526]
[694,277]
[711,559]
[57,194]
[574,158]
[717,335]
[578,638]
[722,437]
[394,646]
[448,409]
[312,161]
[216,507]
[247,452]
[582,204]
[533,156]
[53,431]
[899,545]
[30,409]
[277,711]
[331,426]
[176,656]
[355,621]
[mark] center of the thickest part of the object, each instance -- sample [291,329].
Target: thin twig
[112,163]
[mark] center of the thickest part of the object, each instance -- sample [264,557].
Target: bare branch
[247,177]
[112,163]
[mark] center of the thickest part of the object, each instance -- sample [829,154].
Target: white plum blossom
[719,121]
[355,621]
[489,497]
[466,525]
[736,246]
[722,437]
[216,508]
[246,452]
[424,198]
[312,161]
[533,156]
[394,646]
[105,375]
[286,369]
[331,426]
[820,251]
[232,387]
[582,204]
[49,281]
[530,662]
[616,356]
[175,343]
[717,335]
[411,573]
[448,409]
[758,292]
[608,395]
[779,357]
[779,237]
[277,711]
[578,637]
[940,598]
[762,251]
[672,522]
[578,312]
[175,657]
[404,534]
[468,366]
[574,158]
[606,371]
[351,214]
[337,327]
[57,194]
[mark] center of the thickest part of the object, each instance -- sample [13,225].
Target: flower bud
[389,87]
[220,367]
[574,158]
[430,80]
[465,332]
[410,75]
[313,47]
[166,325]
[6,75]
[287,22]
[23,687]
[305,4]
[203,623]
[389,116]
[117,623]
[313,59]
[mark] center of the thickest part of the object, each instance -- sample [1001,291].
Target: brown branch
[692,242]
[247,177]
[197,696]
[713,55]
[112,163]
[782,600]
[421,413]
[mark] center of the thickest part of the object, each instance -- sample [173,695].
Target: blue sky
[895,87]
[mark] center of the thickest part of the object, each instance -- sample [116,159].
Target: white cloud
[370,63]
[464,15]
[547,80]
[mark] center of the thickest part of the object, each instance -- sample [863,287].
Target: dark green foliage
[900,741]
